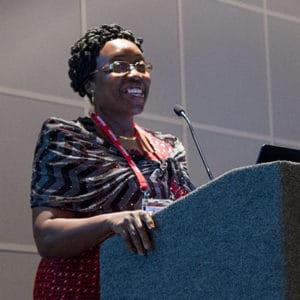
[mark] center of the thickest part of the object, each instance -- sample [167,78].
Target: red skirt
[69,278]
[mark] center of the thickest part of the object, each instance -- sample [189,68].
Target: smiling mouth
[137,92]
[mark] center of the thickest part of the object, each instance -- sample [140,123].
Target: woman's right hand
[133,227]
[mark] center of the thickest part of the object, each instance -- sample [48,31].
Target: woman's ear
[89,86]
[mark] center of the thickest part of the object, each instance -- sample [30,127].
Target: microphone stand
[210,176]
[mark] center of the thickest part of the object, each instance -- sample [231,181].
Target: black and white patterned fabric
[74,169]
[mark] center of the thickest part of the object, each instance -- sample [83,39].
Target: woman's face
[125,94]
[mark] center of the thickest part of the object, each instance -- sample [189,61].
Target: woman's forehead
[120,48]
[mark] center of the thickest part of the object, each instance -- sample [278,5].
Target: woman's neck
[119,126]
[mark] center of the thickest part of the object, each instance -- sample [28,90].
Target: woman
[90,175]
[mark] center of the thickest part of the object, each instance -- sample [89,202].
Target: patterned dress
[76,170]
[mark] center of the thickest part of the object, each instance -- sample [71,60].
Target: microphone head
[179,110]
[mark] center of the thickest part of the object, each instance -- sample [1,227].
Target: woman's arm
[59,233]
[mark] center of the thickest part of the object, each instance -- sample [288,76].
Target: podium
[237,237]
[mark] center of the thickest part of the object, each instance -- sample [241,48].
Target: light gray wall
[233,64]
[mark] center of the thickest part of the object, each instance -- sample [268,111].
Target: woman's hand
[60,233]
[133,226]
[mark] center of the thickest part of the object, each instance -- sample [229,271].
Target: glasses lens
[140,67]
[120,67]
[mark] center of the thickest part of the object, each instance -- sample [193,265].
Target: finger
[143,234]
[136,239]
[128,241]
[146,217]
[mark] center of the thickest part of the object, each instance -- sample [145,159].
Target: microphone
[179,111]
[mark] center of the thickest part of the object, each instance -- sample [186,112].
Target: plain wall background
[233,64]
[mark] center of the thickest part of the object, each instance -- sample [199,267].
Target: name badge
[155,205]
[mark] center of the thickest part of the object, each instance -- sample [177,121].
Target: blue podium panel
[236,237]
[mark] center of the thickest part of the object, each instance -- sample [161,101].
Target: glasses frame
[111,68]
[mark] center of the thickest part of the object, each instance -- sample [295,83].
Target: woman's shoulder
[165,137]
[56,125]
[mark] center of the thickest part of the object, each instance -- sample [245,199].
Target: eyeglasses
[122,67]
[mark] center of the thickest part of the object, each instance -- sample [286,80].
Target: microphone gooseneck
[179,111]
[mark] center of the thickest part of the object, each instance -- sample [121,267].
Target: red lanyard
[139,175]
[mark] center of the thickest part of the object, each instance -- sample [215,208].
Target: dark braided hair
[86,50]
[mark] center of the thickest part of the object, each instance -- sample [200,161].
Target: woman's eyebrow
[123,56]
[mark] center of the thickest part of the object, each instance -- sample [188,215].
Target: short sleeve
[57,165]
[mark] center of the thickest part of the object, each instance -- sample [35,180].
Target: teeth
[135,91]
